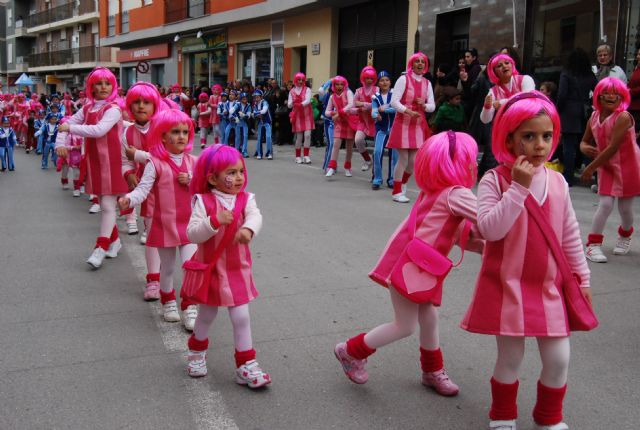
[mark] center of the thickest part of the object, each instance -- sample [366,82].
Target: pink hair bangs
[493,62]
[145,91]
[162,123]
[445,160]
[176,87]
[614,85]
[339,78]
[217,87]
[98,74]
[213,161]
[368,72]
[299,75]
[414,57]
[508,120]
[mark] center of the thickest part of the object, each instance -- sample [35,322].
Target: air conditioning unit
[80,28]
[20,60]
[75,38]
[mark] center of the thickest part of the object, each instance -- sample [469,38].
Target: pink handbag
[420,271]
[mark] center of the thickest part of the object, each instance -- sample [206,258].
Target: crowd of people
[132,152]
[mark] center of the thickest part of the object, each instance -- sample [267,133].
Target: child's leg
[605,207]
[349,153]
[399,171]
[552,386]
[241,322]
[64,174]
[2,157]
[245,138]
[362,147]
[206,316]
[328,134]
[167,266]
[393,161]
[504,384]
[108,230]
[258,152]
[306,144]
[625,208]
[203,136]
[267,132]
[335,152]
[186,252]
[403,325]
[76,177]
[198,342]
[298,145]
[377,158]
[10,157]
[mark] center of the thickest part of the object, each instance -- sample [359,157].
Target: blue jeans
[49,147]
[267,131]
[6,154]
[40,146]
[223,131]
[381,142]
[242,129]
[328,135]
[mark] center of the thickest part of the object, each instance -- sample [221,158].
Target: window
[111,30]
[196,8]
[9,17]
[10,53]
[124,20]
[146,2]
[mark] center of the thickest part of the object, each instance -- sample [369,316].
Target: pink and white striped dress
[620,176]
[203,121]
[172,203]
[232,281]
[518,290]
[138,140]
[104,162]
[302,116]
[214,100]
[366,124]
[501,92]
[341,127]
[408,132]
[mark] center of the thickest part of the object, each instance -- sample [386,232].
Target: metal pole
[515,37]
[603,37]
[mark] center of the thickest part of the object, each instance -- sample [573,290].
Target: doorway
[452,37]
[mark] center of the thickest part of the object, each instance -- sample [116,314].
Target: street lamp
[199,35]
[176,37]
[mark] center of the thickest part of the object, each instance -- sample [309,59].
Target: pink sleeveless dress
[620,176]
[435,226]
[104,162]
[501,92]
[302,116]
[172,204]
[408,132]
[138,140]
[366,123]
[341,127]
[214,100]
[203,121]
[518,290]
[232,283]
[68,107]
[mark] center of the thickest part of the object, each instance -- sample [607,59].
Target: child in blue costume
[263,116]
[325,92]
[383,114]
[7,143]
[49,132]
[243,112]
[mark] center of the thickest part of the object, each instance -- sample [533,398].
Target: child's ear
[211,179]
[509,143]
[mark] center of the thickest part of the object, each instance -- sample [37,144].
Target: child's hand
[419,101]
[62,152]
[488,101]
[225,217]
[130,152]
[183,178]
[64,127]
[586,293]
[496,105]
[123,203]
[243,236]
[132,180]
[589,150]
[587,174]
[522,171]
[381,109]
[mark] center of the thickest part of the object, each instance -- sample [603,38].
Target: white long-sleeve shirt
[200,229]
[398,92]
[79,128]
[330,107]
[141,192]
[140,156]
[297,91]
[486,116]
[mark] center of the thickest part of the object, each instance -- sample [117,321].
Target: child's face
[533,139]
[609,100]
[229,181]
[503,69]
[418,66]
[339,86]
[176,139]
[5,124]
[102,89]
[455,101]
[143,110]
[368,81]
[232,97]
[544,90]
[257,99]
[53,120]
[243,100]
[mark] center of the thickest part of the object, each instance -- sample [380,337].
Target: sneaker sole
[620,252]
[93,266]
[196,375]
[252,386]
[151,299]
[133,233]
[442,393]
[345,372]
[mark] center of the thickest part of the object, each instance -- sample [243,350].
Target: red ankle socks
[153,277]
[243,356]
[625,233]
[298,152]
[357,348]
[548,409]
[306,152]
[431,361]
[397,187]
[503,404]
[167,297]
[103,242]
[197,345]
[405,177]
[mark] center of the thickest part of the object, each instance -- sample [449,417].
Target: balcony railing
[179,10]
[84,54]
[62,12]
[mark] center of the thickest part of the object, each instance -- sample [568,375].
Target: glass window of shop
[255,61]
[633,36]
[208,68]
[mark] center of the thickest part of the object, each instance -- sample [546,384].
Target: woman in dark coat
[577,82]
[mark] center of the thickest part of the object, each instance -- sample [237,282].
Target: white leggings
[151,254]
[216,132]
[335,151]
[168,263]
[406,158]
[407,316]
[203,133]
[554,353]
[108,215]
[605,207]
[307,139]
[360,141]
[240,320]
[65,172]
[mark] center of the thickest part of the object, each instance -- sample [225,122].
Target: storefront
[205,59]
[254,60]
[144,64]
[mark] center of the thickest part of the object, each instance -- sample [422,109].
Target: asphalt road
[81,350]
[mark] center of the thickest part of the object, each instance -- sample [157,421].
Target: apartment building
[196,42]
[55,41]
[3,44]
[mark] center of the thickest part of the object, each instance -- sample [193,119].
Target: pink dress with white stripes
[232,281]
[302,115]
[341,127]
[172,203]
[408,132]
[203,121]
[501,92]
[620,175]
[366,124]
[214,100]
[138,140]
[518,290]
[104,159]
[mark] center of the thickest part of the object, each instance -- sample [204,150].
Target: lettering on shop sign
[144,53]
[315,49]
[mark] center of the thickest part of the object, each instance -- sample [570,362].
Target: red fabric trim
[244,356]
[347,164]
[153,277]
[167,297]
[298,152]
[357,348]
[366,155]
[548,409]
[333,164]
[197,345]
[114,234]
[397,187]
[186,302]
[431,360]
[103,242]
[625,233]
[214,221]
[305,152]
[503,404]
[405,177]
[595,239]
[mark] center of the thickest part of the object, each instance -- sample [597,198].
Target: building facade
[55,41]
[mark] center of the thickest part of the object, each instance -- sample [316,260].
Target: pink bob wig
[339,78]
[145,91]
[612,85]
[162,123]
[297,76]
[368,72]
[203,97]
[414,57]
[493,62]
[518,109]
[217,87]
[176,88]
[213,161]
[34,96]
[98,74]
[446,159]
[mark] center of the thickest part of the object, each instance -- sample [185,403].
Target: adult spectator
[577,82]
[605,67]
[472,66]
[634,89]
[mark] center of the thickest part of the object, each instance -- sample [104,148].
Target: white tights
[406,159]
[605,207]
[554,353]
[151,254]
[216,133]
[360,141]
[64,174]
[407,316]
[335,151]
[203,133]
[108,215]
[168,263]
[240,320]
[307,139]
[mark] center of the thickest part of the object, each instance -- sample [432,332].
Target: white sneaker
[258,157]
[132,227]
[97,257]
[189,316]
[76,193]
[114,247]
[400,198]
[366,166]
[594,188]
[347,173]
[622,246]
[170,311]
[269,157]
[503,425]
[330,172]
[81,189]
[197,364]
[559,426]
[65,186]
[594,253]
[143,237]
[403,187]
[306,159]
[94,209]
[298,160]
[251,374]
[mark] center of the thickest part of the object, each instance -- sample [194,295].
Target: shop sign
[315,49]
[53,80]
[205,43]
[143,53]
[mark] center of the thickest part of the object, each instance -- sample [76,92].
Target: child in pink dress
[204,117]
[519,289]
[338,108]
[362,106]
[73,144]
[445,172]
[301,116]
[218,186]
[616,158]
[167,176]
[214,101]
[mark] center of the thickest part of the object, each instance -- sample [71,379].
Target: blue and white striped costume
[263,116]
[383,128]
